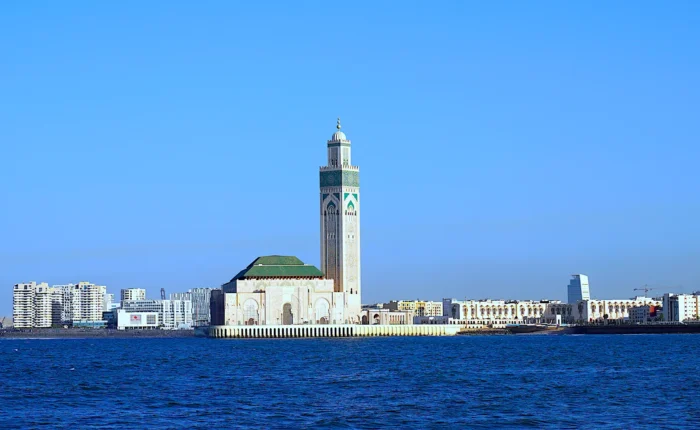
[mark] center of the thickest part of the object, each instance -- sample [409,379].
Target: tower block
[340,220]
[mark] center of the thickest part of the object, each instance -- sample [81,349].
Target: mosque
[282,290]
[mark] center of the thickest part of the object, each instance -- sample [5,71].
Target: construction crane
[647,289]
[162,293]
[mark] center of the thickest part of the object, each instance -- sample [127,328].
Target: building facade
[644,314]
[137,320]
[172,314]
[281,290]
[340,220]
[200,298]
[83,303]
[600,310]
[36,305]
[421,308]
[133,294]
[681,307]
[578,289]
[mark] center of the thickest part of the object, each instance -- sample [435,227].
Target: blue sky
[503,146]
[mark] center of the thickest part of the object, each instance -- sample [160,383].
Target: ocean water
[646,381]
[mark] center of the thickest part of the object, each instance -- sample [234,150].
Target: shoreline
[93,334]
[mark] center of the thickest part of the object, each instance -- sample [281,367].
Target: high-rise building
[201,299]
[42,306]
[133,294]
[82,302]
[35,305]
[578,289]
[38,305]
[23,312]
[176,314]
[340,220]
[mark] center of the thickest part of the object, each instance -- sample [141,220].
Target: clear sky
[503,145]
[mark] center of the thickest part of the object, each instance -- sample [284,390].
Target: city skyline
[498,157]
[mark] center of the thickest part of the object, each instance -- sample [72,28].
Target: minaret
[340,219]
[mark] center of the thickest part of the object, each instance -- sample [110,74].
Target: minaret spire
[338,125]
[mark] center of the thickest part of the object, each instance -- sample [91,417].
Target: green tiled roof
[278,266]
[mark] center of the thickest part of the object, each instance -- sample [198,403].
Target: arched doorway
[376,319]
[365,320]
[250,312]
[322,309]
[287,317]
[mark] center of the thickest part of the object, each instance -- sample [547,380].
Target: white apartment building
[133,294]
[80,303]
[201,301]
[176,314]
[23,309]
[87,302]
[36,305]
[681,307]
[43,310]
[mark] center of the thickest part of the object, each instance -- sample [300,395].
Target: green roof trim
[277,266]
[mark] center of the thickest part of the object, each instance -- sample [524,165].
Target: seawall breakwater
[69,333]
[341,330]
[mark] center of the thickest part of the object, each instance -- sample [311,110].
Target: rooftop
[278,266]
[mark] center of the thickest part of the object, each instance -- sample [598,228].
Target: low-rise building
[376,315]
[416,307]
[172,314]
[600,310]
[643,314]
[137,320]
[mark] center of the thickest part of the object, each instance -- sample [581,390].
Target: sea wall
[344,330]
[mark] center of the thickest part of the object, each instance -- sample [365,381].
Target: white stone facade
[287,302]
[597,310]
[340,221]
[385,316]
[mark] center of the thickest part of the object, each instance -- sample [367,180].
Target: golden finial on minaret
[338,125]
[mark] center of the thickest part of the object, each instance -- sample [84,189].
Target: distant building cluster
[39,305]
[501,313]
[86,305]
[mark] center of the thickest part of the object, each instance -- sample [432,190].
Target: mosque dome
[338,135]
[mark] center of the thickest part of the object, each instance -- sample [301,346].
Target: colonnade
[346,330]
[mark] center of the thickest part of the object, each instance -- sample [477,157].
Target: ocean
[607,381]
